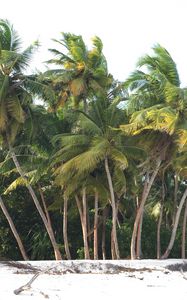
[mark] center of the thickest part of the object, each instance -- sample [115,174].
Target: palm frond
[39,89]
[5,35]
[15,110]
[24,59]
[119,181]
[20,181]
[119,158]
[161,62]
[88,124]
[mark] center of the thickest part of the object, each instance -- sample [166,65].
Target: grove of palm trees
[90,167]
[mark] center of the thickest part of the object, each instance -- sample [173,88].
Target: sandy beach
[147,279]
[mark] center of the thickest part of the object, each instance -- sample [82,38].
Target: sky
[128,28]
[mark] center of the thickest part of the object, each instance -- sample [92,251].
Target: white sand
[160,283]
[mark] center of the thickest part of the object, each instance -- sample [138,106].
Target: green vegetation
[98,171]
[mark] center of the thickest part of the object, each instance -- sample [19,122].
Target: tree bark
[85,229]
[65,221]
[38,206]
[112,245]
[183,255]
[89,236]
[158,231]
[173,234]
[82,213]
[103,244]
[114,210]
[79,208]
[44,206]
[147,186]
[96,226]
[13,228]
[176,183]
[160,219]
[138,239]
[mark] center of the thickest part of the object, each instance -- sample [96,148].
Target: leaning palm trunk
[38,206]
[147,186]
[96,226]
[65,221]
[173,234]
[184,233]
[82,213]
[14,231]
[114,210]
[176,183]
[45,206]
[138,239]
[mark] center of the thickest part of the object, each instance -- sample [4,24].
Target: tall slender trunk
[173,234]
[89,236]
[147,186]
[160,220]
[114,210]
[14,231]
[112,245]
[103,244]
[139,233]
[65,222]
[96,226]
[44,205]
[176,183]
[138,239]
[158,231]
[184,233]
[38,206]
[82,213]
[85,229]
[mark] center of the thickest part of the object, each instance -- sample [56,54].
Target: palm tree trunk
[85,229]
[173,234]
[114,211]
[103,244]
[112,245]
[82,213]
[96,226]
[158,231]
[14,231]
[38,206]
[65,235]
[138,239]
[176,183]
[44,205]
[79,208]
[147,186]
[184,233]
[160,219]
[89,236]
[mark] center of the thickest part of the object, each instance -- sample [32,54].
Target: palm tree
[179,164]
[95,143]
[15,98]
[82,72]
[13,229]
[161,105]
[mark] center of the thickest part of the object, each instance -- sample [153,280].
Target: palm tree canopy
[82,72]
[157,99]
